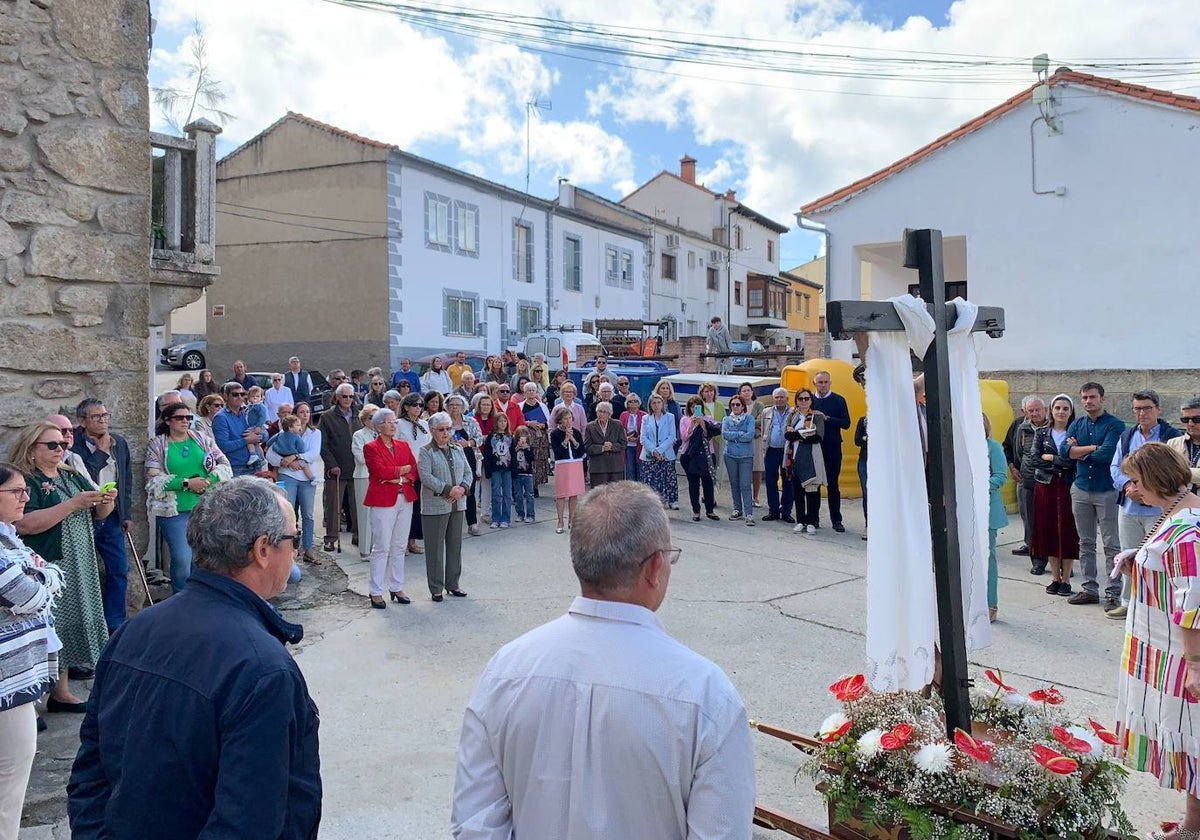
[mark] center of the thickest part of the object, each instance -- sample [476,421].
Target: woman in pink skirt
[566,443]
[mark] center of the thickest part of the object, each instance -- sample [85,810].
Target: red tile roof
[341,132]
[1189,103]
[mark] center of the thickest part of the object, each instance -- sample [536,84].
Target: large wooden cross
[845,319]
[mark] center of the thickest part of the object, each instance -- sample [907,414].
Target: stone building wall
[1173,387]
[75,276]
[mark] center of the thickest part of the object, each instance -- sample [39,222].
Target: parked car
[749,361]
[474,359]
[551,343]
[316,400]
[187,356]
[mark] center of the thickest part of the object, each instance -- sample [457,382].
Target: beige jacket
[1179,444]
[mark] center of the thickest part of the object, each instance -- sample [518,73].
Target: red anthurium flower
[1051,696]
[897,738]
[1070,741]
[1053,761]
[978,750]
[830,737]
[997,679]
[1105,735]
[849,689]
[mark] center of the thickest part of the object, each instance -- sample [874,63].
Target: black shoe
[437,598]
[1084,597]
[695,517]
[1064,588]
[1039,566]
[788,519]
[1111,604]
[41,724]
[839,527]
[53,705]
[1021,551]
[457,593]
[401,598]
[770,517]
[712,515]
[1052,587]
[378,605]
[81,672]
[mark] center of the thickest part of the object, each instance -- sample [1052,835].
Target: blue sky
[780,141]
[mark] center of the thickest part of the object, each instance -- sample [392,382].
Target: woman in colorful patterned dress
[1157,729]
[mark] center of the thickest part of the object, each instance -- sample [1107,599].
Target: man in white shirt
[275,396]
[599,724]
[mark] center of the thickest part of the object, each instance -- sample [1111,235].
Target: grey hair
[458,398]
[779,391]
[81,410]
[293,359]
[1191,402]
[344,388]
[392,394]
[614,528]
[440,419]
[1147,394]
[605,404]
[1030,399]
[382,416]
[229,518]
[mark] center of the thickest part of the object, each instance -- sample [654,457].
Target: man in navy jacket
[837,418]
[200,723]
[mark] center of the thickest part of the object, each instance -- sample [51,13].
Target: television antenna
[537,103]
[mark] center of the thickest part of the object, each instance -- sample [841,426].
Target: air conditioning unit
[672,241]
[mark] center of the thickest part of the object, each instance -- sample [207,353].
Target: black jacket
[199,721]
[837,418]
[95,462]
[1043,471]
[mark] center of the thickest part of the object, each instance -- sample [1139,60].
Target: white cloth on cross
[901,604]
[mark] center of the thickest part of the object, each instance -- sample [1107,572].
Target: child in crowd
[498,463]
[288,442]
[523,456]
[256,421]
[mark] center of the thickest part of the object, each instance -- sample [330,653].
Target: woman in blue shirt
[658,453]
[737,430]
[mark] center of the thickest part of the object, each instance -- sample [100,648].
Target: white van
[551,343]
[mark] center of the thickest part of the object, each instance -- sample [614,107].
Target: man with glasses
[338,425]
[233,432]
[599,724]
[1135,519]
[1188,444]
[337,377]
[511,408]
[276,396]
[1091,442]
[603,371]
[199,720]
[105,455]
[298,381]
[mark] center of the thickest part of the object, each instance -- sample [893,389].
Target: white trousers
[389,535]
[18,743]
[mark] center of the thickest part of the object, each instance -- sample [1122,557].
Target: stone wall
[74,211]
[1173,387]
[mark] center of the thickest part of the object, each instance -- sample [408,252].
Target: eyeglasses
[238,394]
[1142,409]
[187,417]
[67,430]
[294,538]
[103,416]
[19,492]
[1193,419]
[502,391]
[672,555]
[53,445]
[277,379]
[217,405]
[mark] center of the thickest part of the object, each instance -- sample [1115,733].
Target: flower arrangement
[884,759]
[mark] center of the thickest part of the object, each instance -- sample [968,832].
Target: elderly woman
[57,525]
[604,442]
[437,378]
[569,401]
[1188,444]
[392,399]
[28,586]
[1159,680]
[299,488]
[466,385]
[631,421]
[697,431]
[181,464]
[445,482]
[657,465]
[391,492]
[537,420]
[467,434]
[361,478]
[414,431]
[208,407]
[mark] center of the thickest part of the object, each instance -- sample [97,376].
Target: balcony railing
[184,213]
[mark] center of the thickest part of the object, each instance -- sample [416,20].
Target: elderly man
[1188,444]
[336,377]
[466,386]
[599,724]
[773,422]
[285,410]
[200,723]
[233,432]
[338,425]
[837,420]
[1017,444]
[298,381]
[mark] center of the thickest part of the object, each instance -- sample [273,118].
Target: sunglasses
[238,394]
[54,445]
[187,417]
[1193,419]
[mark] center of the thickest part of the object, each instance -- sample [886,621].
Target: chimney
[566,194]
[731,195]
[687,169]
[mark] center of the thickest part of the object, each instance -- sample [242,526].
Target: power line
[303,215]
[353,233]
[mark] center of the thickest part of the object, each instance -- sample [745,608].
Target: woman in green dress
[58,526]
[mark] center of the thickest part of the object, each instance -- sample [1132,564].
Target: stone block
[11,120]
[37,115]
[9,55]
[16,414]
[34,181]
[96,155]
[57,389]
[10,382]
[125,100]
[129,215]
[54,101]
[22,208]
[10,243]
[70,254]
[60,349]
[80,320]
[1184,382]
[110,33]
[89,106]
[89,300]
[14,271]
[79,203]
[14,156]
[29,298]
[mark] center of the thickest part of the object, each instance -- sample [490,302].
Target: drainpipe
[804,224]
[549,261]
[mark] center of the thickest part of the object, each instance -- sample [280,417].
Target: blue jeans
[502,492]
[174,531]
[110,545]
[304,492]
[240,470]
[739,483]
[631,463]
[294,575]
[523,495]
[862,480]
[773,464]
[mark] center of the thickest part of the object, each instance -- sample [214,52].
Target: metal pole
[923,251]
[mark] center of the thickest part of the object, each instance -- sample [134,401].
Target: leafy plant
[202,98]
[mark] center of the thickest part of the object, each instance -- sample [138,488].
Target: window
[528,318]
[437,221]
[460,313]
[954,288]
[737,237]
[612,266]
[522,252]
[572,263]
[691,259]
[771,250]
[714,281]
[756,299]
[466,228]
[737,292]
[627,269]
[668,267]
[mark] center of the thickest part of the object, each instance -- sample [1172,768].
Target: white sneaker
[503,524]
[530,520]
[749,520]
[673,506]
[494,525]
[799,529]
[737,514]
[810,529]
[473,530]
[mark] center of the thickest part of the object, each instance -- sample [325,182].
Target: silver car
[187,356]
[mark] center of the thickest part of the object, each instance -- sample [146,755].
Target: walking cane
[337,516]
[137,561]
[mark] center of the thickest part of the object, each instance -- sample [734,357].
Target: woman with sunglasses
[411,429]
[205,412]
[375,392]
[29,667]
[58,526]
[181,464]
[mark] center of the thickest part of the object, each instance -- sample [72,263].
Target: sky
[760,113]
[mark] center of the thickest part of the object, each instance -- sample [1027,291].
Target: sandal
[1166,828]
[559,529]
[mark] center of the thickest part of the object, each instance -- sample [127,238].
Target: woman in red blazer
[391,471]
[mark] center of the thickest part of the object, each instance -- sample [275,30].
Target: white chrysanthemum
[869,744]
[1016,699]
[1089,736]
[933,758]
[832,724]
